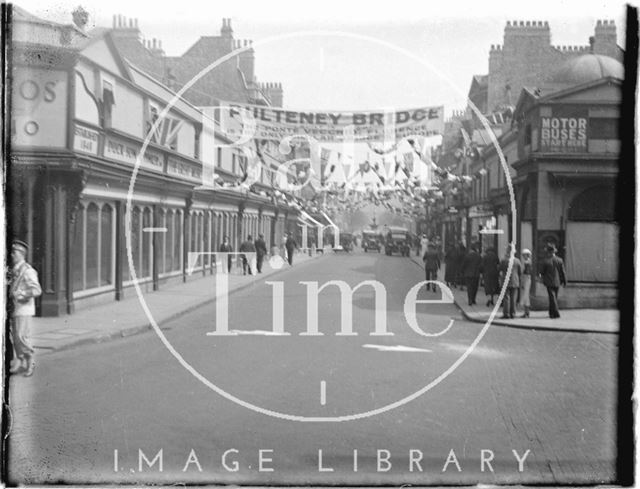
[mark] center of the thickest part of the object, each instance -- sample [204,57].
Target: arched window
[92,241]
[78,249]
[594,204]
[168,252]
[106,245]
[146,255]
[177,243]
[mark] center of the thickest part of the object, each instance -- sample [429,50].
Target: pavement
[127,317]
[572,320]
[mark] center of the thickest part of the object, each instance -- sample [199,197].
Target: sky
[338,55]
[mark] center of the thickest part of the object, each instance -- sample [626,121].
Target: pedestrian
[431,261]
[490,276]
[24,288]
[424,244]
[247,246]
[471,268]
[290,245]
[226,247]
[553,276]
[525,286]
[261,251]
[450,266]
[460,256]
[513,284]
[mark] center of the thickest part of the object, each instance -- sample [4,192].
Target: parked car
[398,240]
[346,242]
[371,241]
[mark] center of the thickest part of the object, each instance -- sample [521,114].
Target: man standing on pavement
[290,245]
[261,251]
[226,247]
[24,288]
[553,276]
[471,267]
[509,301]
[431,261]
[248,247]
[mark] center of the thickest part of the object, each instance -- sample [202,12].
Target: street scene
[306,250]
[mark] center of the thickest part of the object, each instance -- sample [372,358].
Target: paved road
[550,393]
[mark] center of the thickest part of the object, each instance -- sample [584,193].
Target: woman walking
[525,300]
[490,275]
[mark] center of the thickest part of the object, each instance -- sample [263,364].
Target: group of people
[259,247]
[464,268]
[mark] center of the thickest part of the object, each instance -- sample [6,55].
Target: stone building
[526,57]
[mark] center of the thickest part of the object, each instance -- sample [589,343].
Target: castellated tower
[524,54]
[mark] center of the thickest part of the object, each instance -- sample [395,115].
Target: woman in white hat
[526,282]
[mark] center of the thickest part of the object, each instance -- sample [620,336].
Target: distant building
[234,80]
[526,58]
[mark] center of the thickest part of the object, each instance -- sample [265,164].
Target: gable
[100,53]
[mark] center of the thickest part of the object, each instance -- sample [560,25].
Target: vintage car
[346,242]
[371,241]
[397,240]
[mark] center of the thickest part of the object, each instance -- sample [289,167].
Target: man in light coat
[24,288]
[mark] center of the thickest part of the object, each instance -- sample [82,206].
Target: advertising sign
[564,132]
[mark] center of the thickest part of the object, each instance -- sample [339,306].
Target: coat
[291,244]
[24,289]
[490,275]
[471,265]
[516,272]
[552,271]
[431,260]
[450,271]
[261,247]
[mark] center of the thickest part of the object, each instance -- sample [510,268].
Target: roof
[586,68]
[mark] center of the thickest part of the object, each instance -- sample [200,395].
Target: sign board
[248,122]
[184,170]
[126,152]
[39,107]
[85,140]
[565,131]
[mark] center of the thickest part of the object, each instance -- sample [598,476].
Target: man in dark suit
[261,251]
[553,276]
[431,261]
[471,267]
[509,301]
[249,247]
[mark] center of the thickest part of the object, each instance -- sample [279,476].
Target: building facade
[81,115]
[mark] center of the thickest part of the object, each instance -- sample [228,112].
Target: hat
[526,251]
[551,247]
[17,243]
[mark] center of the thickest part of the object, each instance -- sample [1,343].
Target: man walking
[553,276]
[24,288]
[471,267]
[261,251]
[431,261]
[290,245]
[509,301]
[248,247]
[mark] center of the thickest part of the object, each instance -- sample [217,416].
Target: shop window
[170,237]
[136,219]
[91,245]
[106,245]
[78,250]
[146,254]
[177,243]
